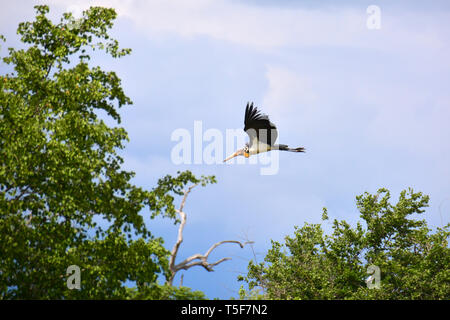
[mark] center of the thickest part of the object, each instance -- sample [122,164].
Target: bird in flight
[262,134]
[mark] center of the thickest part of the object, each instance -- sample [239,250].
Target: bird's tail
[284,147]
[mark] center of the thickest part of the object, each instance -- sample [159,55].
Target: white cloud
[240,23]
[268,27]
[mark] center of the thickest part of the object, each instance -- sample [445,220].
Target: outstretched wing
[258,126]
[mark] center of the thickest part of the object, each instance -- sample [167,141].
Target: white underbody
[259,147]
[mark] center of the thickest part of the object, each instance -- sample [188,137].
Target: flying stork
[262,134]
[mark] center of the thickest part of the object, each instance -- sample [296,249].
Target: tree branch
[182,214]
[187,263]
[196,259]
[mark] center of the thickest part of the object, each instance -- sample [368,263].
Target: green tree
[64,199]
[165,292]
[414,262]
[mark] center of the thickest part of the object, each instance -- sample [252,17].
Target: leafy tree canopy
[64,199]
[413,262]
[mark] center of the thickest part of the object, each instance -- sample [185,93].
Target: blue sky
[371,107]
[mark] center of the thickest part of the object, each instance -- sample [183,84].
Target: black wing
[258,126]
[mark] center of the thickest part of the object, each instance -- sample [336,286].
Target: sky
[371,107]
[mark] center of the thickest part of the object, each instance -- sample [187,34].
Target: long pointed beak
[232,156]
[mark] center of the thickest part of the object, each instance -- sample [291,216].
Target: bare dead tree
[196,259]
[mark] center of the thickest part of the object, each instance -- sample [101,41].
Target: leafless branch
[182,214]
[196,259]
[203,258]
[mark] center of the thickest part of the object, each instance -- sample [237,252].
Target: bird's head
[241,152]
